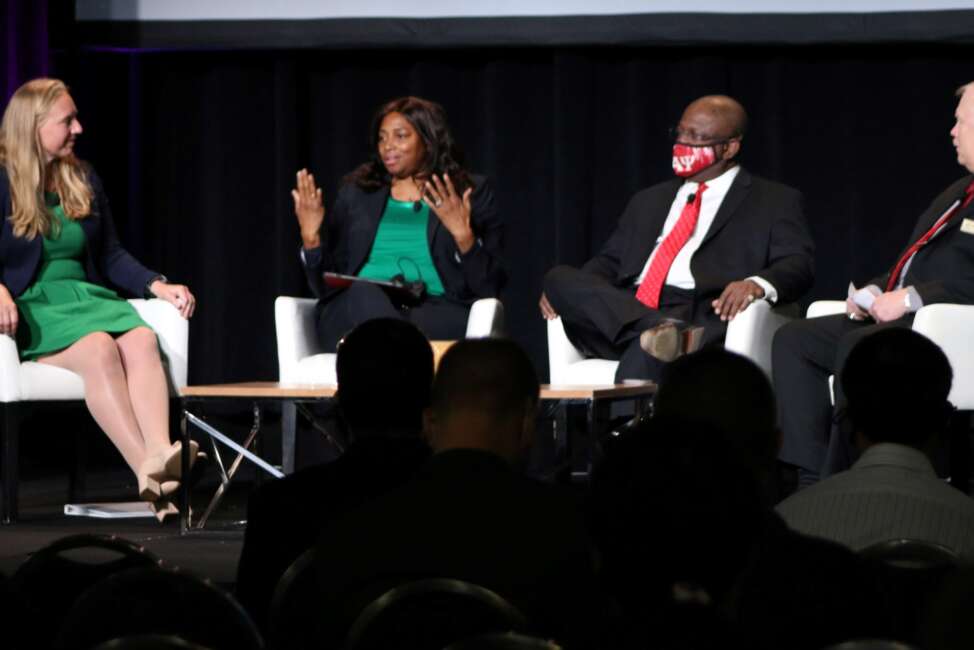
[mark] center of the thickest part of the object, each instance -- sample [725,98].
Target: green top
[400,246]
[61,306]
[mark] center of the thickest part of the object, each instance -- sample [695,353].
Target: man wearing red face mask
[688,255]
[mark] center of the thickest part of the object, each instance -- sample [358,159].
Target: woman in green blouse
[412,210]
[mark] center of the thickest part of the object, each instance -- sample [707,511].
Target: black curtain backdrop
[198,152]
[24,49]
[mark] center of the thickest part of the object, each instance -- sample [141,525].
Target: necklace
[418,203]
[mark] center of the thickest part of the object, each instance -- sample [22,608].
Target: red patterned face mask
[689,161]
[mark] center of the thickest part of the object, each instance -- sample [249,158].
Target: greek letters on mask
[689,161]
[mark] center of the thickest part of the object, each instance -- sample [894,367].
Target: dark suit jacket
[759,230]
[350,227]
[466,515]
[285,517]
[105,260]
[943,270]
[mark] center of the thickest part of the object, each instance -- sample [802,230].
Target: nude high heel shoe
[148,481]
[163,508]
[173,460]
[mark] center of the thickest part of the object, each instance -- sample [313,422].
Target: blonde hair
[23,156]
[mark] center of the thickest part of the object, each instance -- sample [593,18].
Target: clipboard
[405,292]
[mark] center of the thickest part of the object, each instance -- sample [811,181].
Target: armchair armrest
[950,327]
[172,330]
[486,319]
[561,352]
[825,308]
[9,370]
[751,332]
[294,321]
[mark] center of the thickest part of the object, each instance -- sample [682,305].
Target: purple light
[27,47]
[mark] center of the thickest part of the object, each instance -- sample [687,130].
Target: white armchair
[301,359]
[749,334]
[950,327]
[24,384]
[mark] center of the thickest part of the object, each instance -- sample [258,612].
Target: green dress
[61,306]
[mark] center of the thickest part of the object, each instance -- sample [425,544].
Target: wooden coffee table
[576,443]
[292,398]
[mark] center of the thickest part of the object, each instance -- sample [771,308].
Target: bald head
[724,115]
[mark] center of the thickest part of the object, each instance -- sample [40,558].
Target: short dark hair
[723,391]
[443,155]
[385,371]
[493,376]
[896,384]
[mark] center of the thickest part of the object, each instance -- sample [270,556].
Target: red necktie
[894,275]
[652,284]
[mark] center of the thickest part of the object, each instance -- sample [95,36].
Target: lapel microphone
[691,197]
[417,206]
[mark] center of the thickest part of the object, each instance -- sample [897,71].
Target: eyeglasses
[694,139]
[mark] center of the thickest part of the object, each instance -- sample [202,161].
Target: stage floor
[212,553]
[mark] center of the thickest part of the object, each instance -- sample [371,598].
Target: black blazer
[759,230]
[943,270]
[350,227]
[105,260]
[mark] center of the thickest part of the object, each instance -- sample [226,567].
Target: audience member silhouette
[896,384]
[385,370]
[695,558]
[470,514]
[730,394]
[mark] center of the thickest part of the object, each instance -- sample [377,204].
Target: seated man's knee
[789,336]
[557,278]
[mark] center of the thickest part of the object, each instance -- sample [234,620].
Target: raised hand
[736,297]
[308,208]
[451,209]
[8,313]
[177,294]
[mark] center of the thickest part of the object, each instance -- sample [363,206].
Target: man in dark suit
[385,370]
[935,267]
[470,514]
[694,250]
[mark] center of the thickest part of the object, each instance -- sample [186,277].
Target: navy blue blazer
[106,262]
[350,227]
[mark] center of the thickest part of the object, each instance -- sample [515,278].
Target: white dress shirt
[680,275]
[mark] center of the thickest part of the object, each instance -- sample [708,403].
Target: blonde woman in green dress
[59,253]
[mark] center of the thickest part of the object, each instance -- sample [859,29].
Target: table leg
[229,474]
[185,516]
[288,425]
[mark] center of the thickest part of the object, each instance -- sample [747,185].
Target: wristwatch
[146,293]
